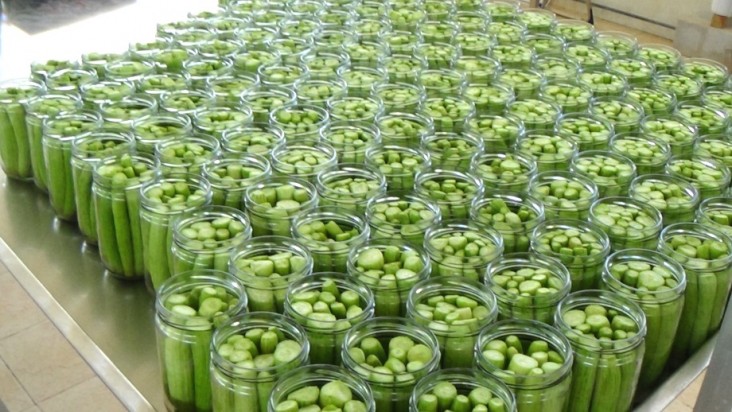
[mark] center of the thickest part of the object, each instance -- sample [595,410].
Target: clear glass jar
[272,213]
[513,214]
[37,110]
[543,44]
[150,131]
[671,129]
[551,153]
[318,376]
[460,247]
[714,146]
[456,337]
[129,109]
[248,62]
[710,177]
[629,223]
[652,101]
[611,172]
[449,113]
[674,197]
[538,116]
[552,238]
[263,101]
[247,385]
[199,71]
[282,261]
[635,71]
[300,122]
[116,205]
[465,381]
[656,283]
[227,90]
[719,98]
[217,119]
[401,216]
[528,286]
[707,119]
[128,70]
[525,82]
[453,191]
[442,82]
[59,133]
[256,138]
[397,97]
[324,65]
[288,159]
[683,87]
[588,131]
[162,199]
[349,186]
[94,94]
[605,372]
[707,72]
[184,334]
[97,61]
[548,391]
[345,228]
[15,153]
[398,164]
[504,171]
[230,178]
[664,58]
[403,68]
[479,70]
[316,93]
[617,44]
[404,129]
[391,391]
[351,141]
[186,155]
[326,333]
[86,152]
[282,75]
[452,151]
[157,84]
[649,155]
[716,212]
[206,237]
[499,132]
[502,10]
[40,70]
[564,194]
[360,80]
[577,31]
[69,81]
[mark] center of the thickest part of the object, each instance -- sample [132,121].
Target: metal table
[110,322]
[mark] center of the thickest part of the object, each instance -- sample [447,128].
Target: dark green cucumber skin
[38,165]
[85,213]
[60,181]
[155,240]
[14,142]
[119,236]
[662,322]
[457,352]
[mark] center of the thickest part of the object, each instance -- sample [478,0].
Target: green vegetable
[707,72]
[227,90]
[525,83]
[265,100]
[650,155]
[441,82]
[280,74]
[354,109]
[449,113]
[462,248]
[672,130]
[351,141]
[401,216]
[149,131]
[708,120]
[629,223]
[505,171]
[588,57]
[513,55]
[564,195]
[404,129]
[257,138]
[602,83]
[452,151]
[94,94]
[513,215]
[589,132]
[663,57]
[611,172]
[274,202]
[617,44]
[489,99]
[128,70]
[682,87]
[637,72]
[399,165]
[186,155]
[499,133]
[506,32]
[716,212]
[14,139]
[200,71]
[157,84]
[549,152]
[229,178]
[317,93]
[572,98]
[537,115]
[69,81]
[438,58]
[675,198]
[349,186]
[653,101]
[215,120]
[543,44]
[361,80]
[453,191]
[302,159]
[397,97]
[575,31]
[321,387]
[128,109]
[461,390]
[715,147]
[710,177]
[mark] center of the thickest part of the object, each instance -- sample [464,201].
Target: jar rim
[527,260]
[270,244]
[573,224]
[646,256]
[354,253]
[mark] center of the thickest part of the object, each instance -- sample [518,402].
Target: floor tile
[91,395]
[18,309]
[12,393]
[44,362]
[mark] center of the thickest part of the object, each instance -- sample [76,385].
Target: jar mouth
[601,181]
[698,231]
[517,261]
[690,192]
[194,182]
[270,182]
[526,329]
[284,147]
[442,174]
[270,245]
[464,380]
[649,257]
[514,201]
[475,143]
[246,160]
[114,159]
[34,87]
[606,299]
[651,211]
[390,197]
[263,320]
[350,170]
[89,118]
[207,214]
[547,178]
[375,150]
[710,163]
[124,141]
[450,226]
[334,214]
[34,102]
[382,244]
[571,224]
[207,142]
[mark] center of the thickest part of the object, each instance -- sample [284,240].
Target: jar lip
[455,285]
[303,375]
[382,244]
[588,154]
[207,213]
[471,138]
[190,279]
[38,99]
[691,192]
[463,377]
[532,329]
[347,170]
[184,122]
[530,137]
[298,183]
[338,125]
[700,231]
[82,115]
[388,325]
[246,321]
[513,198]
[613,300]
[522,260]
[27,84]
[441,174]
[396,196]
[124,138]
[376,150]
[248,160]
[652,141]
[525,160]
[196,181]
[453,225]
[202,139]
[315,282]
[417,117]
[147,159]
[708,162]
[570,224]
[646,256]
[331,213]
[267,244]
[544,178]
[628,201]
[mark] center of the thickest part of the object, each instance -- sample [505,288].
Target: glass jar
[716,212]
[588,131]
[649,155]
[300,122]
[710,177]
[502,10]
[617,44]
[163,199]
[263,101]
[86,152]
[611,172]
[488,99]
[577,31]
[247,385]
[256,138]
[434,303]
[351,141]
[452,151]
[709,73]
[543,44]
[69,81]
[150,131]
[462,248]
[525,82]
[58,134]
[513,214]
[664,58]
[157,84]
[581,247]
[274,203]
[127,110]
[37,110]
[674,197]
[500,133]
[349,186]
[96,61]
[401,216]
[15,155]
[324,65]
[719,98]
[548,391]
[267,266]
[555,67]
[230,178]
[360,80]
[528,286]
[538,116]
[707,119]
[656,283]
[564,194]
[214,121]
[449,113]
[571,97]
[351,303]
[186,155]
[390,269]
[603,83]
[513,55]
[550,152]
[652,101]
[302,159]
[404,129]
[354,109]
[204,238]
[316,93]
[714,146]
[184,334]
[116,206]
[391,389]
[452,191]
[684,88]
[629,223]
[466,382]
[319,376]
[398,164]
[397,97]
[504,171]
[128,70]
[605,372]
[94,94]
[227,90]
[671,129]
[329,233]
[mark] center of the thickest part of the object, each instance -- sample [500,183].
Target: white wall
[664,11]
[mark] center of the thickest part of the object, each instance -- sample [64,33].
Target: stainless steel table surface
[109,321]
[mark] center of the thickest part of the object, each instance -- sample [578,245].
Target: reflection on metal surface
[33,16]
